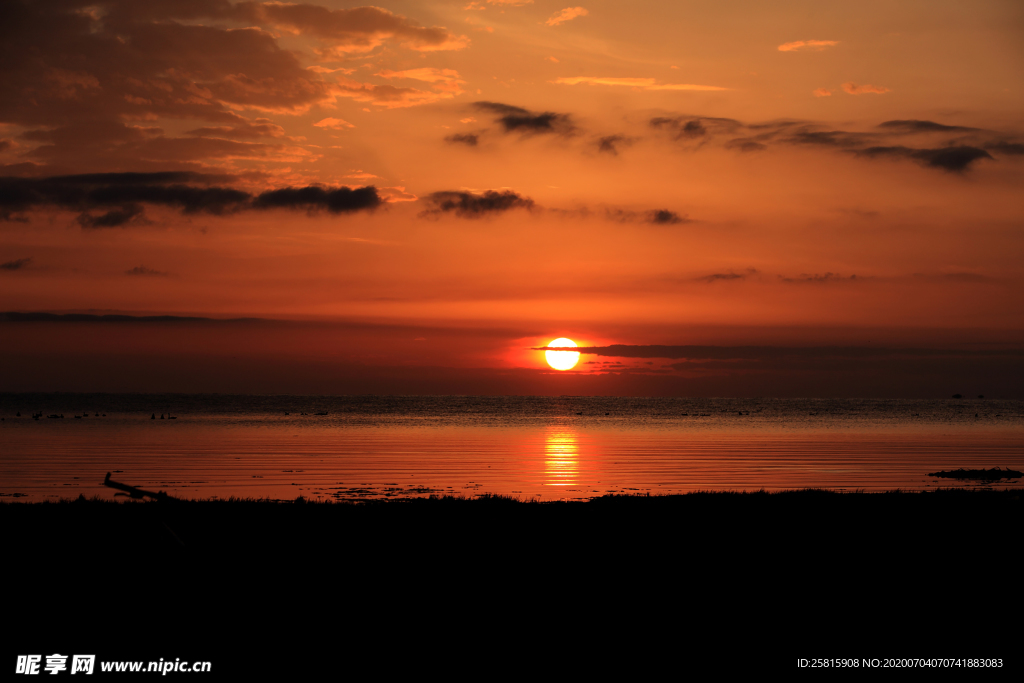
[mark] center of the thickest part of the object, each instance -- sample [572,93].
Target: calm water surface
[530,447]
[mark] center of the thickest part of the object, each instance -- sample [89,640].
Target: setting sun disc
[562,360]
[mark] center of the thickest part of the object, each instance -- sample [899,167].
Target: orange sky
[769,174]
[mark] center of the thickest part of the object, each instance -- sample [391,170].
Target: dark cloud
[16,264]
[694,127]
[817,278]
[116,218]
[656,216]
[501,109]
[143,270]
[915,126]
[188,199]
[703,130]
[953,159]
[665,217]
[122,192]
[315,198]
[827,138]
[956,156]
[517,119]
[746,145]
[694,352]
[547,122]
[121,196]
[719,277]
[36,317]
[464,138]
[467,205]
[610,143]
[777,125]
[1013,148]
[5,145]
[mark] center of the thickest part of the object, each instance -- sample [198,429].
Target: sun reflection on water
[561,462]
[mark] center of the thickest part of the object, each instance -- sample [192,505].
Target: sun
[562,360]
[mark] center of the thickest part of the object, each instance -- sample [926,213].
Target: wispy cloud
[816,278]
[331,122]
[16,264]
[807,45]
[241,129]
[316,68]
[918,126]
[355,30]
[130,214]
[390,96]
[446,80]
[1002,147]
[854,89]
[143,270]
[655,216]
[610,144]
[822,92]
[567,14]
[642,83]
[726,277]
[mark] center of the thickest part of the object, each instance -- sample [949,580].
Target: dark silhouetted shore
[764,575]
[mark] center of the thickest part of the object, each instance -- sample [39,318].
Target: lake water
[528,447]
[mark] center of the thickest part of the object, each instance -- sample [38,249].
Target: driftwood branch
[134,491]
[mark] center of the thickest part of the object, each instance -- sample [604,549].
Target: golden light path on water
[561,461]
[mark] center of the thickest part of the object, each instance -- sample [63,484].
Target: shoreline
[762,518]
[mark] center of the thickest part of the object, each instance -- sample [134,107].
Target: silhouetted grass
[280,581]
[759,518]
